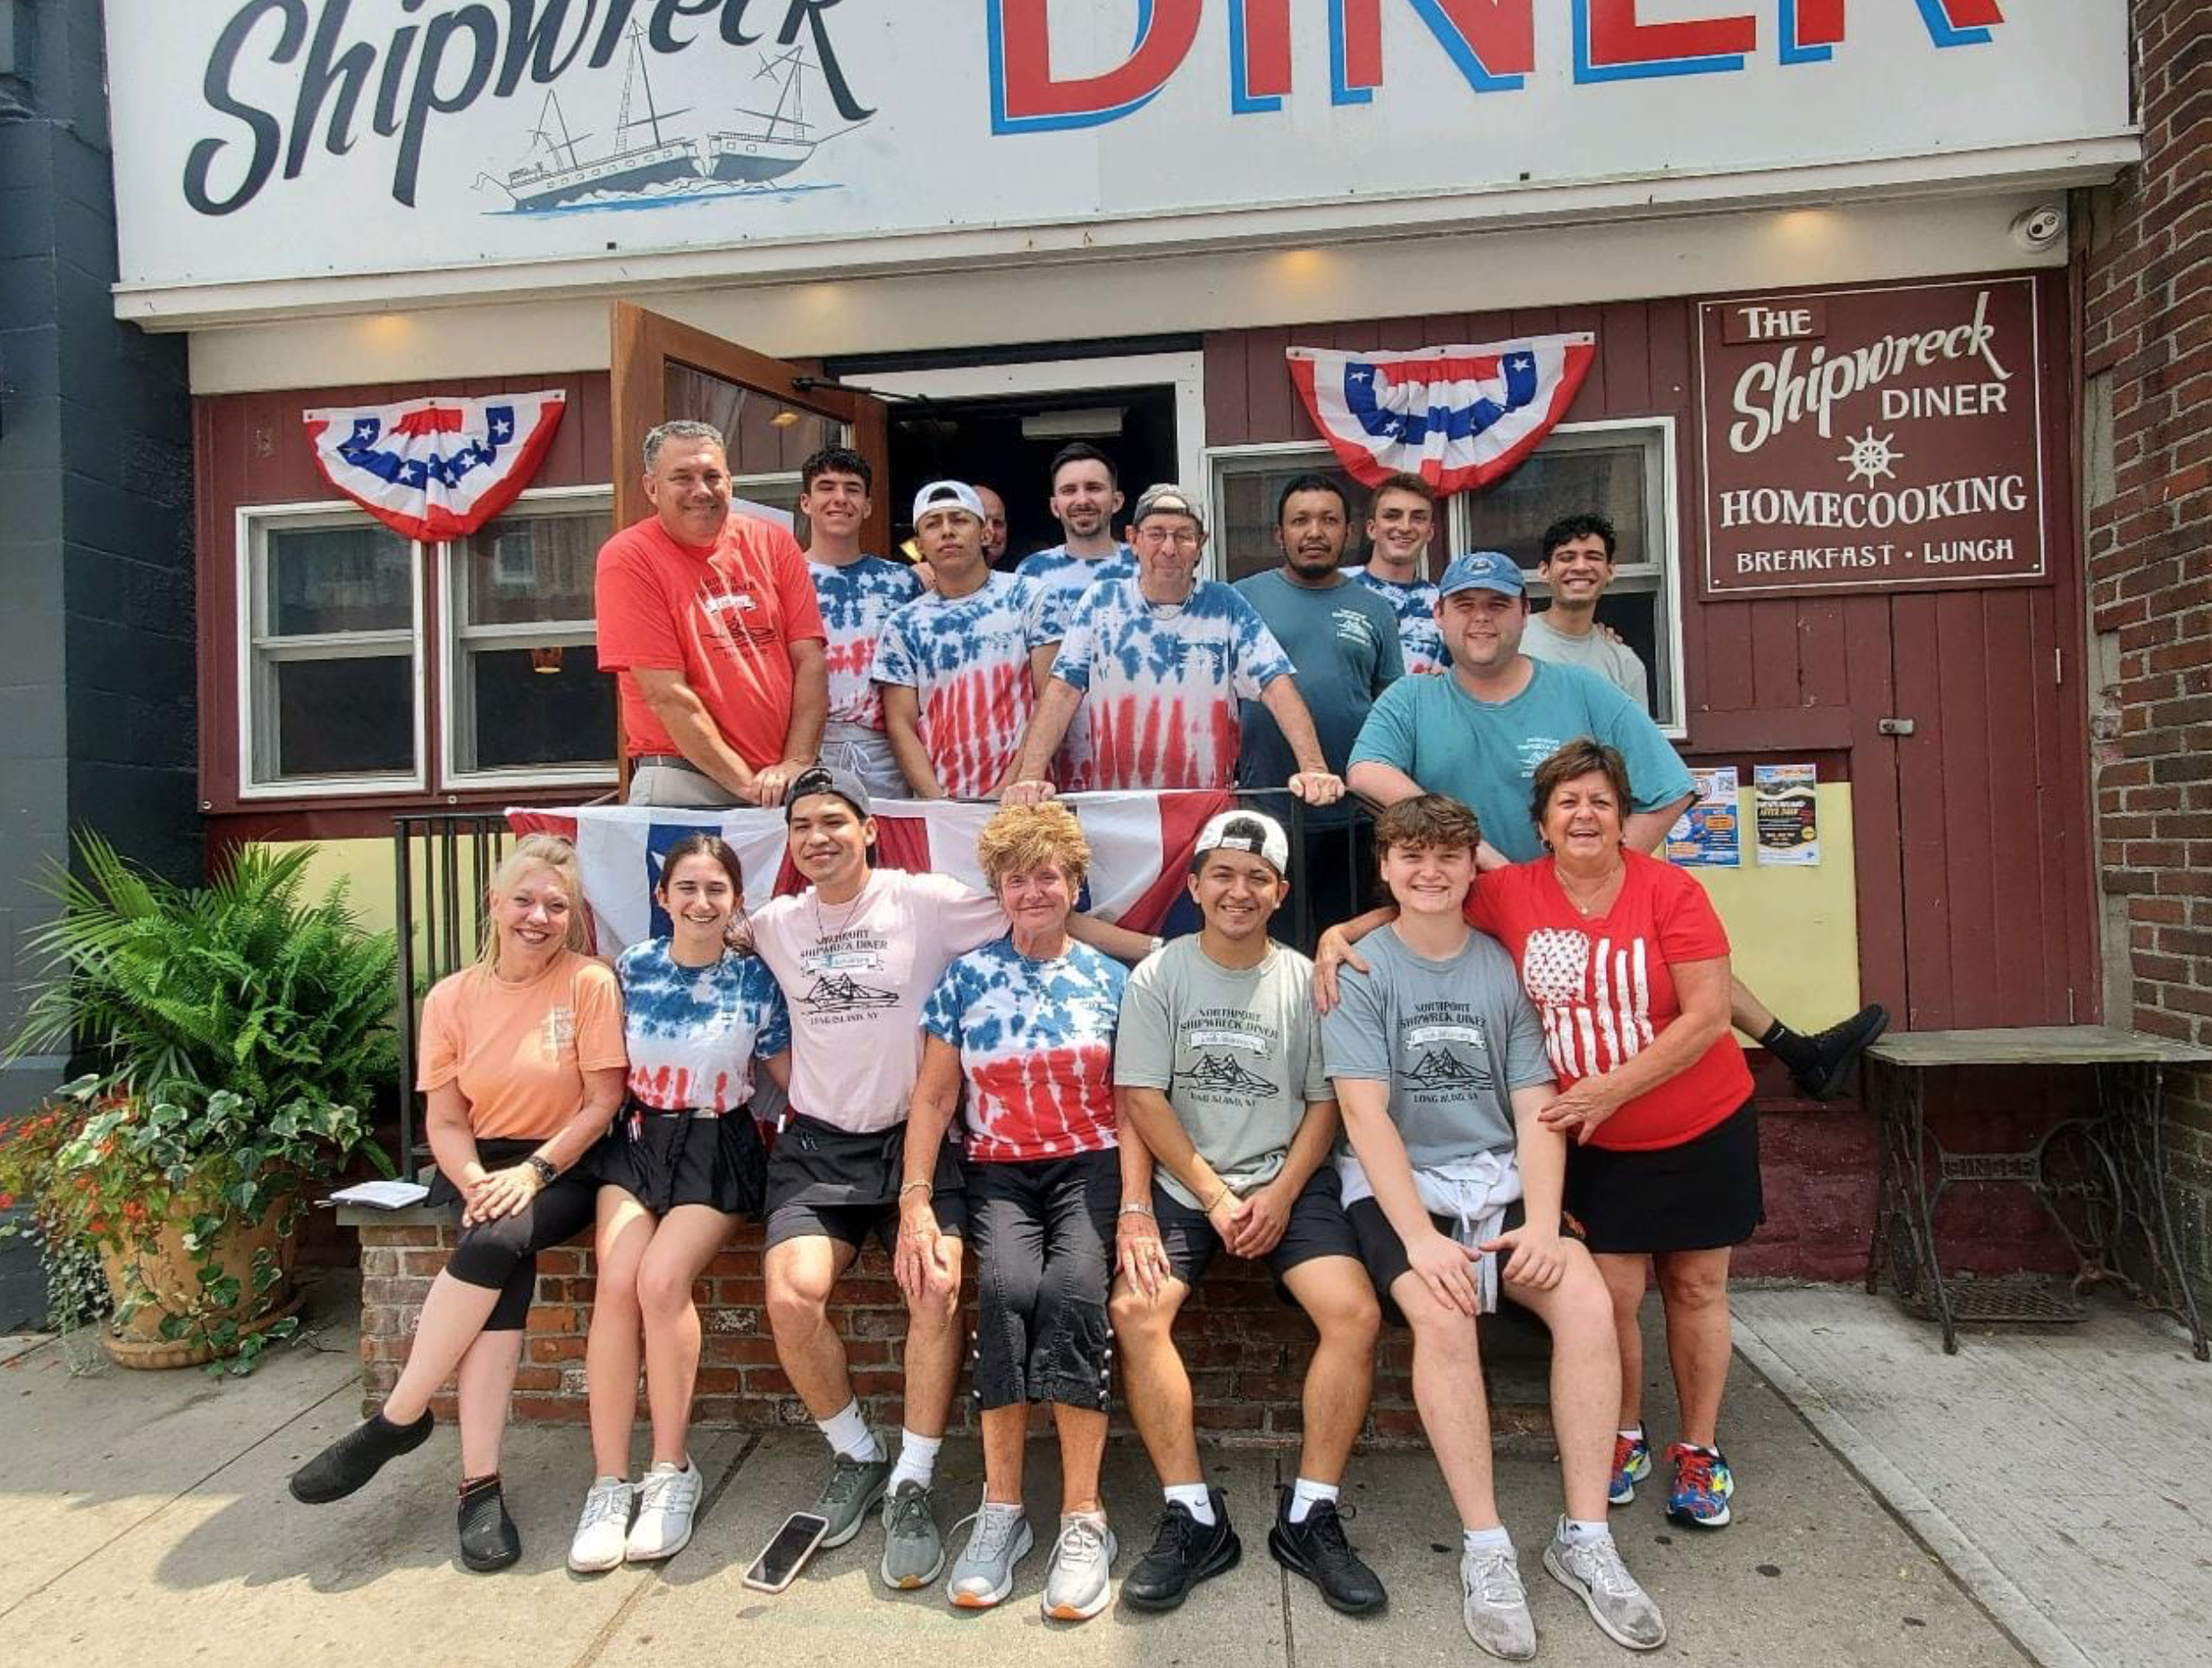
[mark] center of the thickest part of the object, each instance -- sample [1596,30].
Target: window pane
[761,434]
[522,569]
[1244,517]
[1555,482]
[322,580]
[537,708]
[353,717]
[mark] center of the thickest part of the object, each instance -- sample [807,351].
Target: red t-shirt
[1602,985]
[723,615]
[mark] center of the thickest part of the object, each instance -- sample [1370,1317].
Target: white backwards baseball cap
[947,495]
[1247,831]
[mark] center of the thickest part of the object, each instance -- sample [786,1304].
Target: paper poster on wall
[1710,834]
[1786,805]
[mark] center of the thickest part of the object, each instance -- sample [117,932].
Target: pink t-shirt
[855,976]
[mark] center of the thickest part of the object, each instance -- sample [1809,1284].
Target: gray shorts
[867,755]
[677,785]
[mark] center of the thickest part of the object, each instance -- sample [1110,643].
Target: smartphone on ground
[782,1558]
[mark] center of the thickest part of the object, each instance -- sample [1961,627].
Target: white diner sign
[287,139]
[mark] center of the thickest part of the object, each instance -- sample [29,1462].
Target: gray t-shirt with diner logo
[1452,1039]
[1237,1050]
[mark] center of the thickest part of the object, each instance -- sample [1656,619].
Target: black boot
[355,1457]
[488,1538]
[1820,1064]
[1184,1552]
[1317,1550]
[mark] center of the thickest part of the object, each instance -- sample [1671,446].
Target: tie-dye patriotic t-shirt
[1160,685]
[1067,577]
[1605,988]
[856,600]
[966,659]
[1036,1042]
[694,1032]
[1415,607]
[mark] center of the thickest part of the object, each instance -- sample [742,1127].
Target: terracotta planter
[169,1272]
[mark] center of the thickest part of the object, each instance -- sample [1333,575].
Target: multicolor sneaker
[1632,1464]
[1703,1485]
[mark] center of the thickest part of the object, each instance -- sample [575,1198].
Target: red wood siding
[1973,870]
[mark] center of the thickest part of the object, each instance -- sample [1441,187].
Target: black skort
[1699,1196]
[829,1183]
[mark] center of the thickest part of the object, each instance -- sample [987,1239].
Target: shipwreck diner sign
[1869,440]
[282,140]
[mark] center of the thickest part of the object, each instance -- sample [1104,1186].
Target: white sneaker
[601,1530]
[666,1500]
[1494,1604]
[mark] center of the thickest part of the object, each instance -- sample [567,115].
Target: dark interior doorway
[1008,444]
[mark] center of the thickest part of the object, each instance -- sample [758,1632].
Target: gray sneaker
[1076,1587]
[1495,1607]
[853,1486]
[913,1551]
[1594,1574]
[984,1574]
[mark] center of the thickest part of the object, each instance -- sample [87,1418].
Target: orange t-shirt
[725,615]
[519,1051]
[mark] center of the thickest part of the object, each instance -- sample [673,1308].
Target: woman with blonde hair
[521,1061]
[1026,1025]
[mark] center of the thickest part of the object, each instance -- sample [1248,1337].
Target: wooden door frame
[642,346]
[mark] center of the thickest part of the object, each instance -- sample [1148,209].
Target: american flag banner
[1459,417]
[436,468]
[1141,845]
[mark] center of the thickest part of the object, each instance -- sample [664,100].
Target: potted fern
[237,1033]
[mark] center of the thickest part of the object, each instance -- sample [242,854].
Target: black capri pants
[1042,1236]
[502,1256]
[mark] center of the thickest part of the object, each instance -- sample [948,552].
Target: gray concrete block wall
[97,643]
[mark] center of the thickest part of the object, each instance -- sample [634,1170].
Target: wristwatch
[543,1167]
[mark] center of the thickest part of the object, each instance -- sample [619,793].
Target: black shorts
[1316,1228]
[830,1183]
[1383,1253]
[502,1256]
[663,1159]
[1700,1196]
[1041,1236]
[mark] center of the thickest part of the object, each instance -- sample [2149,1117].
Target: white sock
[848,1433]
[917,1460]
[1305,1493]
[1193,1499]
[1491,1539]
[1634,1433]
[1577,1532]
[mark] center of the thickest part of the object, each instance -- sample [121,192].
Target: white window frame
[456,705]
[253,522]
[1662,515]
[1216,563]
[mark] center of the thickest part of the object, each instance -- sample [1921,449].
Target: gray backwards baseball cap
[821,779]
[1483,570]
[1167,499]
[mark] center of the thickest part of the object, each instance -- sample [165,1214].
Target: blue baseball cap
[1486,570]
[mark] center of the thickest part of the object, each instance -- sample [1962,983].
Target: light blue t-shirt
[1343,643]
[1484,753]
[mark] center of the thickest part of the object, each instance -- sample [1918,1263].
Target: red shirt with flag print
[725,615]
[1605,988]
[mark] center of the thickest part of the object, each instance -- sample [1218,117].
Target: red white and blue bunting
[436,468]
[1459,417]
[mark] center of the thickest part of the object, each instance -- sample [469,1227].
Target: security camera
[2040,228]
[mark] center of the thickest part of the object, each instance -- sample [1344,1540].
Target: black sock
[1787,1046]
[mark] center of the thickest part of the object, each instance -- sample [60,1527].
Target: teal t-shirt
[1344,643]
[1484,753]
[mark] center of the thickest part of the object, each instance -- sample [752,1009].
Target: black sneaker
[488,1538]
[355,1457]
[1184,1552]
[1317,1550]
[1837,1049]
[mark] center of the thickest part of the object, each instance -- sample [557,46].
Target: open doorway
[1007,443]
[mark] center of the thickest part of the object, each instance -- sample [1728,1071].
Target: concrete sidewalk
[147,1522]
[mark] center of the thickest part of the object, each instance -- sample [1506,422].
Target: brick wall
[1246,1353]
[2145,256]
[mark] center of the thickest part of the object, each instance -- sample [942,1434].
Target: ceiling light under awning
[1073,424]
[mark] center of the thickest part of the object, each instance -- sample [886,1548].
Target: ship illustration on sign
[653,161]
[837,993]
[1221,1072]
[1441,1068]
